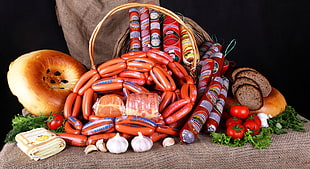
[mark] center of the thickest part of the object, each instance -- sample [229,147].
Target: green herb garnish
[260,141]
[286,120]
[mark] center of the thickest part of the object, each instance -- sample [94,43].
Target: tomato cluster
[240,121]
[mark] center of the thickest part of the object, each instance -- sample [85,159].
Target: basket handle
[131,5]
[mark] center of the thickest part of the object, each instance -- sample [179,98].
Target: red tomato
[239,111]
[255,118]
[54,121]
[233,121]
[236,131]
[252,125]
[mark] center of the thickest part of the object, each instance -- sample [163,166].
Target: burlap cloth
[78,19]
[291,150]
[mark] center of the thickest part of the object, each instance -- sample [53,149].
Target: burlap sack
[78,19]
[291,150]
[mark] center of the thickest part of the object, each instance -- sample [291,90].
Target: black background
[272,37]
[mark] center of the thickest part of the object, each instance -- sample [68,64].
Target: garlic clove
[117,144]
[100,144]
[168,141]
[141,143]
[90,148]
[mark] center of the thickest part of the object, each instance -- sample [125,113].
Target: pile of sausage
[134,72]
[147,69]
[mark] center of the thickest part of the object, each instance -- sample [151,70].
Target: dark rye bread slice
[241,81]
[261,80]
[237,70]
[250,96]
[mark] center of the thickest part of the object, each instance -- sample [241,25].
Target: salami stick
[201,113]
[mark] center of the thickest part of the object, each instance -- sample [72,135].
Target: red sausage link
[83,79]
[179,114]
[68,104]
[133,129]
[174,107]
[77,106]
[69,129]
[87,103]
[77,124]
[88,84]
[73,139]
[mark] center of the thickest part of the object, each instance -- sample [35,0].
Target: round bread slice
[237,70]
[250,96]
[241,81]
[260,79]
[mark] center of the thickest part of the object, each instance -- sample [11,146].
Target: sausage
[88,84]
[179,114]
[69,129]
[162,54]
[77,106]
[134,88]
[87,103]
[134,129]
[112,69]
[174,107]
[131,119]
[77,124]
[93,118]
[189,91]
[68,104]
[135,81]
[215,115]
[140,64]
[100,120]
[201,113]
[155,30]
[107,80]
[107,86]
[219,59]
[83,79]
[176,71]
[114,61]
[167,130]
[132,74]
[156,136]
[205,76]
[134,54]
[145,28]
[73,139]
[158,58]
[134,30]
[166,99]
[162,78]
[98,128]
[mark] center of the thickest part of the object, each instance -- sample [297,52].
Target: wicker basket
[197,36]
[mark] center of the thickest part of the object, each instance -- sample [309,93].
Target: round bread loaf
[42,79]
[273,105]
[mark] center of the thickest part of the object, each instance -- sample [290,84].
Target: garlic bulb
[141,143]
[168,141]
[263,118]
[117,144]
